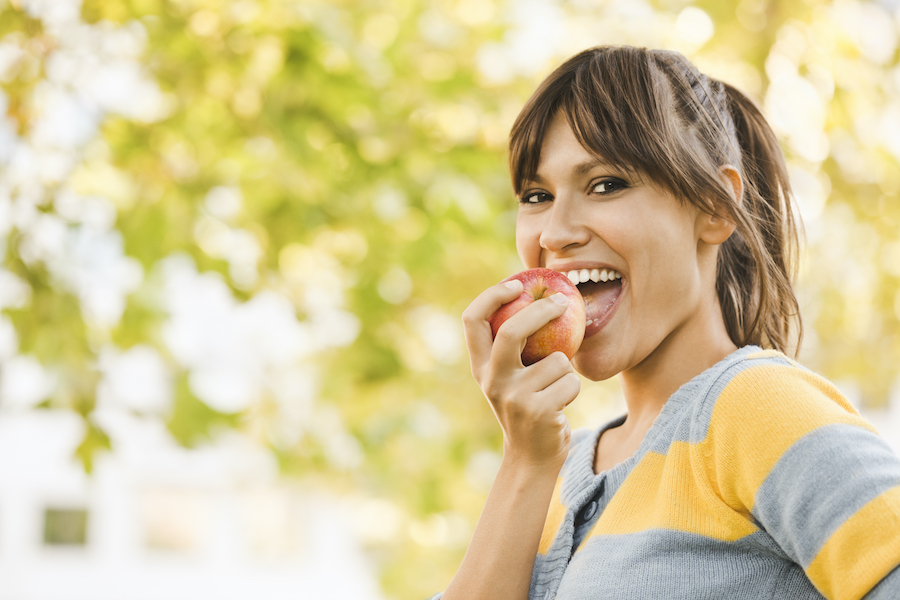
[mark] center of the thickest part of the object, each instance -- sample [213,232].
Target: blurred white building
[155,520]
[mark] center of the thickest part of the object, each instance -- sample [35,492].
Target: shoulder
[766,389]
[768,411]
[788,448]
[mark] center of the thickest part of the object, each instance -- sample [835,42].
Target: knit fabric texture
[757,480]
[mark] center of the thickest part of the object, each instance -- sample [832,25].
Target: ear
[732,180]
[715,230]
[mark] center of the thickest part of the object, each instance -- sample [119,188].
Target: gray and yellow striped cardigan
[757,480]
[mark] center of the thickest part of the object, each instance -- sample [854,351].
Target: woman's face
[582,217]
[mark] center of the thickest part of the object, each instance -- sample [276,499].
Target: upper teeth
[582,275]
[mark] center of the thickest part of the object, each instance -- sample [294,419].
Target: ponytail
[757,263]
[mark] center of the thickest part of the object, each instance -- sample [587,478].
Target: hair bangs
[527,134]
[615,110]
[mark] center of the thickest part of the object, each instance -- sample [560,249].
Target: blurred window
[65,526]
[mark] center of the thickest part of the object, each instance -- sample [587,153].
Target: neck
[678,359]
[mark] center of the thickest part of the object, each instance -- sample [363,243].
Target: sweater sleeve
[888,589]
[797,459]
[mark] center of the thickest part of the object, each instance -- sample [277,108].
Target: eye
[608,185]
[535,197]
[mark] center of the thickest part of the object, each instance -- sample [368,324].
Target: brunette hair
[652,112]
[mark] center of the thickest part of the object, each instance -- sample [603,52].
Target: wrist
[531,461]
[519,466]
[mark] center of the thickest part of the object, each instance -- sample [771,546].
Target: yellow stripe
[863,550]
[708,488]
[662,492]
[755,422]
[555,515]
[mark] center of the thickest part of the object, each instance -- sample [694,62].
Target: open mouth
[600,289]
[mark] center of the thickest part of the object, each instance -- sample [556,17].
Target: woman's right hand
[527,401]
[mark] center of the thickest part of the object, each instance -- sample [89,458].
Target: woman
[736,473]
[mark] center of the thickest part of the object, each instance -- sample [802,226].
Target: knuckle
[573,384]
[553,306]
[506,334]
[560,361]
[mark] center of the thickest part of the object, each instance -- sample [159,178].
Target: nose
[564,229]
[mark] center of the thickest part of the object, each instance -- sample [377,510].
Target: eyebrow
[588,166]
[580,169]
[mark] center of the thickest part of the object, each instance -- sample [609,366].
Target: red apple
[563,333]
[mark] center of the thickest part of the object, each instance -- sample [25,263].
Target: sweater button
[589,511]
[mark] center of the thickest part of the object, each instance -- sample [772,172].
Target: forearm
[500,558]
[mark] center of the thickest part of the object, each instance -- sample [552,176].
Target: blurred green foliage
[368,143]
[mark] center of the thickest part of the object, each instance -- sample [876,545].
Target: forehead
[560,140]
[562,152]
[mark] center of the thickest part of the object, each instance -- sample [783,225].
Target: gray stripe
[888,589]
[806,496]
[679,566]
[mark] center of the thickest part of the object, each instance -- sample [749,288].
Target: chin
[595,365]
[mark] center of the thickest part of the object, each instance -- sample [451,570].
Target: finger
[512,335]
[549,369]
[561,392]
[476,327]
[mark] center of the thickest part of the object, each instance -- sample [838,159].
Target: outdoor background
[237,237]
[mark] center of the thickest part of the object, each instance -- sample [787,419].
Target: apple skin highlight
[563,334]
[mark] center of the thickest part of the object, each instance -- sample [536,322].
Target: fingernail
[513,284]
[560,298]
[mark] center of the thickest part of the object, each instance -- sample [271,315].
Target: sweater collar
[578,473]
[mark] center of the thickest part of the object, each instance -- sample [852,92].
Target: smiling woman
[662,193]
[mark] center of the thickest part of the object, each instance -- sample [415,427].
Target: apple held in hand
[565,333]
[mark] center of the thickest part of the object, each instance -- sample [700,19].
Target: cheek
[528,242]
[664,239]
